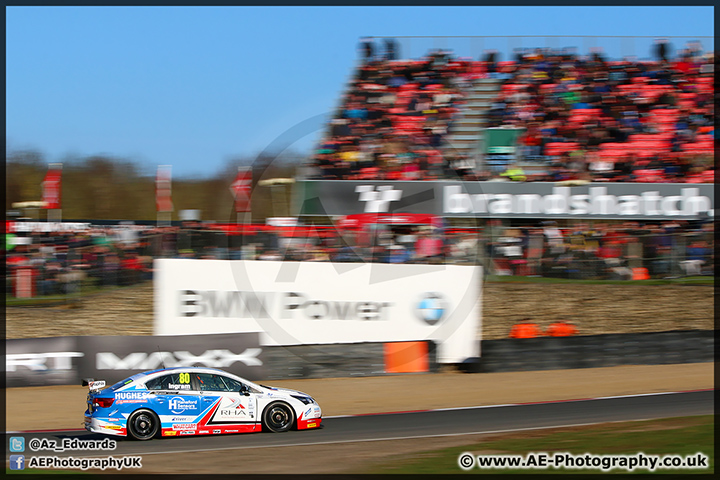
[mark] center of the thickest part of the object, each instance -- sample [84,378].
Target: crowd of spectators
[601,120]
[393,118]
[583,117]
[64,262]
[617,251]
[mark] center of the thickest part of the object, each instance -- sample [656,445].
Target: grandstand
[651,119]
[621,123]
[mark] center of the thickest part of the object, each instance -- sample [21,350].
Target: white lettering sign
[310,303]
[561,202]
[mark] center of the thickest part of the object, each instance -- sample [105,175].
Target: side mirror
[245,391]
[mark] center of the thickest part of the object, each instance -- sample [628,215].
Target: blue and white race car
[194,401]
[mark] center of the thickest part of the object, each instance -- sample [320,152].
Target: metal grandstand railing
[614,47]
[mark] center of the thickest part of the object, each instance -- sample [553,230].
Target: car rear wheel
[143,425]
[278,417]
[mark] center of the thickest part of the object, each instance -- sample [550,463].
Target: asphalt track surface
[389,426]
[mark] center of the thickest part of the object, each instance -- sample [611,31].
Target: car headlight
[304,400]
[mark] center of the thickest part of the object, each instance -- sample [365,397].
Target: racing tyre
[278,417]
[143,425]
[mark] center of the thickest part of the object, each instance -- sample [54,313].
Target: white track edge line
[513,404]
[443,409]
[398,438]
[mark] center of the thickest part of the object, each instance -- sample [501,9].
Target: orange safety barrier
[406,357]
[640,274]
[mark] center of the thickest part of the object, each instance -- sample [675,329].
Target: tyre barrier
[588,351]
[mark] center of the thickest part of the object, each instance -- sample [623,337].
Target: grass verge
[670,436]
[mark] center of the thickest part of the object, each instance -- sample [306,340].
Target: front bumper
[310,418]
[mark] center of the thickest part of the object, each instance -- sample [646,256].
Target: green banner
[502,140]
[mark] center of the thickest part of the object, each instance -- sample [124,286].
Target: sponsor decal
[113,427]
[182,419]
[233,409]
[220,358]
[203,432]
[131,395]
[216,432]
[187,432]
[178,405]
[184,426]
[169,433]
[144,400]
[232,413]
[431,308]
[96,385]
[307,413]
[232,431]
[309,425]
[178,386]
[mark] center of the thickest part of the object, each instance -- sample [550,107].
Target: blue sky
[196,87]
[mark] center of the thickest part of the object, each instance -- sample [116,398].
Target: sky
[200,87]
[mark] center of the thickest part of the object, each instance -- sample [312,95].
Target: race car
[194,401]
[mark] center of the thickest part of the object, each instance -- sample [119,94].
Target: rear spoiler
[93,384]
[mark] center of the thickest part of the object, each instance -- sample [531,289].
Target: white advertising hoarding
[305,303]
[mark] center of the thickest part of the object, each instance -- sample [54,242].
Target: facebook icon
[17,462]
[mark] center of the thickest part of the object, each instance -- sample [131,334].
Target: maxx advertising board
[310,303]
[67,360]
[621,201]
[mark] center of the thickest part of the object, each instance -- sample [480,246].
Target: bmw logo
[431,308]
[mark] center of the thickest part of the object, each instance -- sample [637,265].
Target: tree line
[108,188]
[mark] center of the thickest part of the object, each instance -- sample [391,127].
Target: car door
[233,411]
[177,402]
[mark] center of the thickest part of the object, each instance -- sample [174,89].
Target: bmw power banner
[306,303]
[626,201]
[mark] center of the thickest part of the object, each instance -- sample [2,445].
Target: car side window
[174,381]
[232,385]
[210,382]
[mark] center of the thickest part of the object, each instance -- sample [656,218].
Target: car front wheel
[278,417]
[143,425]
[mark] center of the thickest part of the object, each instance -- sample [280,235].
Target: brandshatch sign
[541,200]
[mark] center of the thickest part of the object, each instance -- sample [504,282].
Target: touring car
[194,401]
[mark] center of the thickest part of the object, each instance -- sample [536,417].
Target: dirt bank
[596,309]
